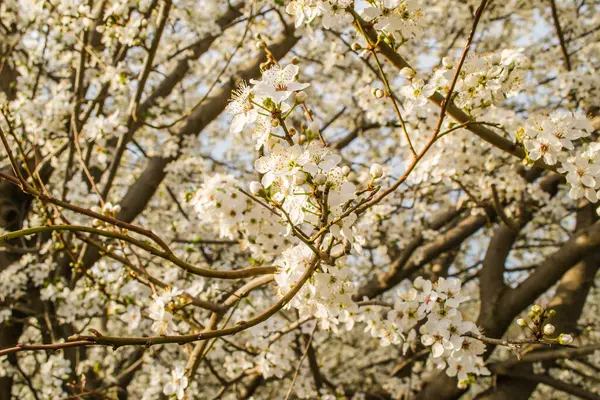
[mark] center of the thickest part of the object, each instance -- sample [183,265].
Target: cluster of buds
[539,326]
[108,209]
[377,93]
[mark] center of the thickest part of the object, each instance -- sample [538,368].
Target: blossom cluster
[302,187]
[327,296]
[160,311]
[556,140]
[430,311]
[483,80]
[293,174]
[235,216]
[399,18]
[150,71]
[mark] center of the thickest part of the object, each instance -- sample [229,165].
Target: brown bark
[497,313]
[402,267]
[568,301]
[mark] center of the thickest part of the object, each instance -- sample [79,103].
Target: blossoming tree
[300,199]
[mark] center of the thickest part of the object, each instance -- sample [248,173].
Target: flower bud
[300,178]
[356,46]
[447,62]
[378,93]
[295,60]
[521,322]
[345,170]
[314,126]
[302,139]
[255,187]
[551,313]
[376,171]
[549,329]
[565,339]
[320,179]
[536,309]
[407,73]
[301,97]
[274,122]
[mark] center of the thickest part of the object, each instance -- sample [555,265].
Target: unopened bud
[295,60]
[314,126]
[447,62]
[301,97]
[255,187]
[565,339]
[302,139]
[300,178]
[274,122]
[345,170]
[356,46]
[376,171]
[407,73]
[521,322]
[549,329]
[378,93]
[320,179]
[536,309]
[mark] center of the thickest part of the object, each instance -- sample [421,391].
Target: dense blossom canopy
[299,199]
